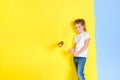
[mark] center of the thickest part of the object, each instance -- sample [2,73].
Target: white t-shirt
[79,39]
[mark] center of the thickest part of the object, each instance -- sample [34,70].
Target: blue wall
[107,14]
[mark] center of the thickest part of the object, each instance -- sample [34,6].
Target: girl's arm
[86,43]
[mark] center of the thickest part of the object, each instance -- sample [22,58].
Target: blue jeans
[79,63]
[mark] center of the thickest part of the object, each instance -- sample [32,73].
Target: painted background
[29,33]
[107,31]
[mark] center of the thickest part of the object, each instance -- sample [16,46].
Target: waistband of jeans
[80,57]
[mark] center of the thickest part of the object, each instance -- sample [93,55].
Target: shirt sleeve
[75,39]
[87,36]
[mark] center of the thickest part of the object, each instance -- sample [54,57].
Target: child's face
[79,28]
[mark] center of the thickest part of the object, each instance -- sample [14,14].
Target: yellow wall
[29,33]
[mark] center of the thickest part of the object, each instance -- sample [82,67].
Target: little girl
[80,50]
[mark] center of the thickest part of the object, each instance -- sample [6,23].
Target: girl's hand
[77,53]
[72,50]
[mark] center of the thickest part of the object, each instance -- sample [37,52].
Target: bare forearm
[82,49]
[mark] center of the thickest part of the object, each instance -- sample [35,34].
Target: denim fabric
[79,63]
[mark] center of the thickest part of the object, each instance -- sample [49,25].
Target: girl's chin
[80,31]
